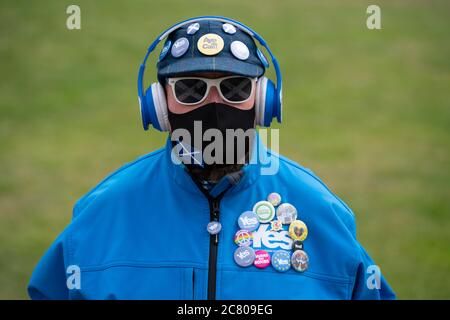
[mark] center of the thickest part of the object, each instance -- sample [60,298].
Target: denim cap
[184,54]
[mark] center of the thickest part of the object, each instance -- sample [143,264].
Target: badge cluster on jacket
[276,217]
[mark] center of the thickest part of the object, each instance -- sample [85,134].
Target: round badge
[262,57]
[244,256]
[193,28]
[298,230]
[214,227]
[274,198]
[262,259]
[264,210]
[210,44]
[180,47]
[300,260]
[286,213]
[276,225]
[228,28]
[165,50]
[297,245]
[239,50]
[243,238]
[281,261]
[248,220]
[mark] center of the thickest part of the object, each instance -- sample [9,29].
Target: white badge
[239,50]
[193,28]
[228,28]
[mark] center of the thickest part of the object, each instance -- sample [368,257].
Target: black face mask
[216,116]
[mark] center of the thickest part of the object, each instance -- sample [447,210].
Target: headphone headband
[238,24]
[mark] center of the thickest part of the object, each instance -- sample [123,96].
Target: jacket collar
[235,182]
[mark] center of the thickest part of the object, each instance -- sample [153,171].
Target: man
[191,221]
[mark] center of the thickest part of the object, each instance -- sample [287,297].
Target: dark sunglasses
[193,90]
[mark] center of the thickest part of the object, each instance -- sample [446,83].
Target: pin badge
[286,213]
[243,238]
[298,230]
[165,50]
[276,225]
[228,28]
[264,210]
[210,44]
[274,198]
[193,28]
[180,47]
[239,50]
[262,259]
[214,227]
[297,245]
[300,260]
[281,261]
[244,256]
[248,220]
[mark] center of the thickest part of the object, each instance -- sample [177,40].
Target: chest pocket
[136,282]
[291,285]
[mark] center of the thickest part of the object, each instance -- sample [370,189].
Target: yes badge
[244,256]
[248,220]
[281,261]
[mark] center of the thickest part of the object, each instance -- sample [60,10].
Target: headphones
[153,104]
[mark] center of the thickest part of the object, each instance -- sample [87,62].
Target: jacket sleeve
[369,281]
[48,280]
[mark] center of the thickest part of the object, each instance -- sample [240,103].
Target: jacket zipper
[214,214]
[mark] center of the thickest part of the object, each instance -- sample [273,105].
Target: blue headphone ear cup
[265,102]
[145,117]
[156,107]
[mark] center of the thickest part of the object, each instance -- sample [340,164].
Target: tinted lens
[190,90]
[236,89]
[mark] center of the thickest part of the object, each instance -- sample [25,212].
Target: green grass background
[368,111]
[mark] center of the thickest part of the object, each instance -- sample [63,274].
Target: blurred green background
[367,110]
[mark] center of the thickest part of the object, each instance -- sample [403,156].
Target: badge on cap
[239,50]
[274,198]
[264,210]
[165,50]
[248,220]
[298,230]
[210,44]
[214,227]
[262,259]
[276,225]
[193,28]
[300,260]
[180,47]
[281,261]
[228,28]
[286,213]
[243,238]
[244,256]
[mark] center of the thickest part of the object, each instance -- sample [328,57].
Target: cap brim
[204,64]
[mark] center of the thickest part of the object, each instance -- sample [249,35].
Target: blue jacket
[141,234]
